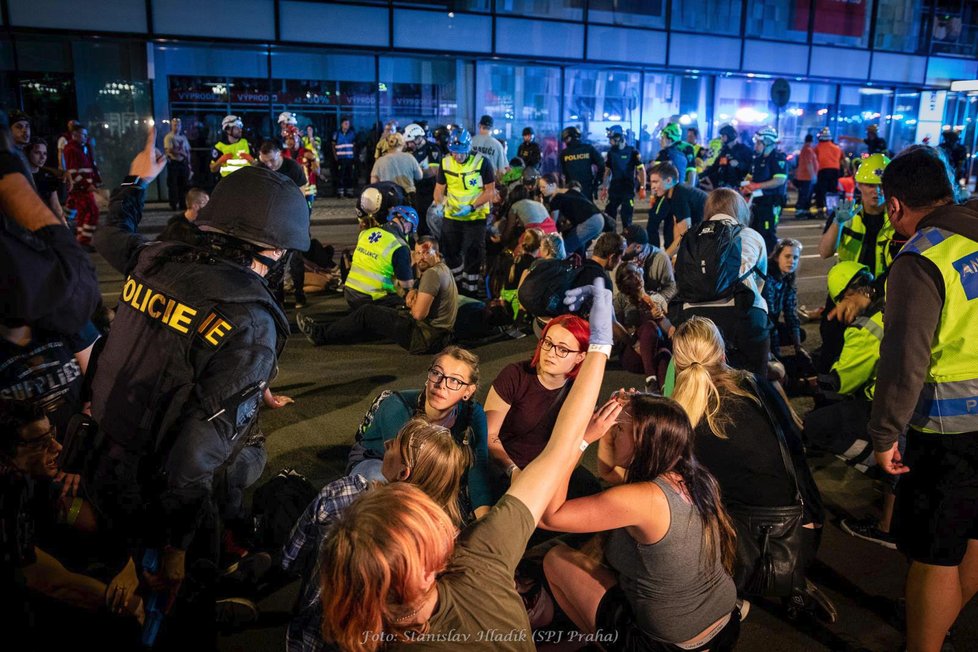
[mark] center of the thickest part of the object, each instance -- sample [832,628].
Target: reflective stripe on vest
[851,242]
[863,356]
[463,183]
[233,164]
[948,402]
[372,269]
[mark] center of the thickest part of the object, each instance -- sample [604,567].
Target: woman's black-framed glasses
[560,350]
[451,382]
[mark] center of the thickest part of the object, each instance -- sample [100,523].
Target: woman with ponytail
[737,442]
[665,583]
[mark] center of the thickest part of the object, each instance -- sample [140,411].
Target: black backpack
[277,505]
[542,291]
[708,262]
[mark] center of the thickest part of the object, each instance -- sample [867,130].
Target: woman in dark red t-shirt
[525,397]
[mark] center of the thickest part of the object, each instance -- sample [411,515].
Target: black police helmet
[572,133]
[259,206]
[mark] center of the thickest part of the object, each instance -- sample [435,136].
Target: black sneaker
[810,602]
[866,529]
[307,326]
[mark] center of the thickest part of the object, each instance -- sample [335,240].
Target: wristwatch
[135,181]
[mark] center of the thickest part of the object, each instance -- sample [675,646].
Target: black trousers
[804,196]
[764,219]
[624,203]
[344,176]
[177,183]
[828,182]
[464,247]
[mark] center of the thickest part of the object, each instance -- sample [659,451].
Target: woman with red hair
[525,397]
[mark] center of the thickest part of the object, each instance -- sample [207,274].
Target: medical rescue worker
[381,270]
[232,152]
[466,184]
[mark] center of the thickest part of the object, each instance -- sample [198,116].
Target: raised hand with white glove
[602,311]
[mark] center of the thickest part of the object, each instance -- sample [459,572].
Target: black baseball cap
[259,206]
[485,121]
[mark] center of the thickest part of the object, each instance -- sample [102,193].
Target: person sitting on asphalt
[637,333]
[380,271]
[525,398]
[578,220]
[658,276]
[421,455]
[781,294]
[737,441]
[425,326]
[667,535]
[605,256]
[43,601]
[840,426]
[385,564]
[445,400]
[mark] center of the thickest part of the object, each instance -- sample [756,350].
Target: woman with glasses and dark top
[525,398]
[445,400]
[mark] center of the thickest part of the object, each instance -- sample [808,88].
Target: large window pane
[903,121]
[778,19]
[842,23]
[955,27]
[419,89]
[859,108]
[707,16]
[521,96]
[902,25]
[628,13]
[564,9]
[669,98]
[597,99]
[447,5]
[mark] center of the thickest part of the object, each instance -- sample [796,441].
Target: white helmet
[288,118]
[231,121]
[370,200]
[767,134]
[413,131]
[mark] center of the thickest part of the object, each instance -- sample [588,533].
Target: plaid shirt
[781,295]
[300,552]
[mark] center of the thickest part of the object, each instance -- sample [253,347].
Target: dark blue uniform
[621,190]
[766,209]
[578,162]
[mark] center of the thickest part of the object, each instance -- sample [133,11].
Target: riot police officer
[429,158]
[580,162]
[194,344]
[622,166]
[732,163]
[769,177]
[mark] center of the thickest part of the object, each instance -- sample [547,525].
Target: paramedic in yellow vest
[381,270]
[928,382]
[861,233]
[465,185]
[231,152]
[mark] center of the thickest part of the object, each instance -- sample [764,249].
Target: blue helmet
[459,141]
[615,131]
[406,213]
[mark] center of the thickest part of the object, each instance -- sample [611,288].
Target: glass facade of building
[636,63]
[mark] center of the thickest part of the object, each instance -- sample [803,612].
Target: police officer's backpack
[708,262]
[542,291]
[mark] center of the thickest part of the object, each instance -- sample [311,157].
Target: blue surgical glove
[462,211]
[844,211]
[602,312]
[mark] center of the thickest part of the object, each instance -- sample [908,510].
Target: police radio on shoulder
[133,181]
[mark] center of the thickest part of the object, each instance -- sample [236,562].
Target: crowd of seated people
[127,448]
